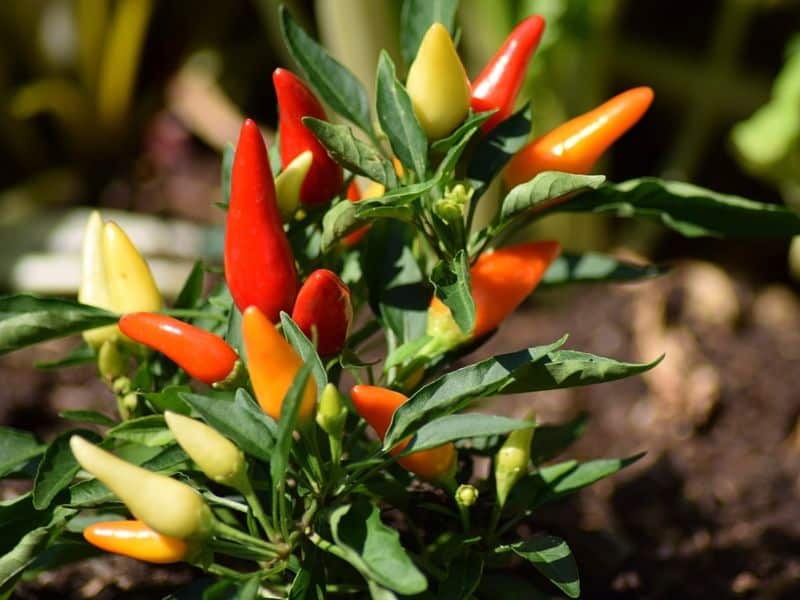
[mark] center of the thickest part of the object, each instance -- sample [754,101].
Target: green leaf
[306,350]
[192,290]
[570,368]
[240,419]
[374,549]
[463,576]
[169,398]
[456,427]
[150,431]
[57,468]
[468,127]
[80,355]
[497,148]
[26,319]
[338,222]
[233,332]
[552,558]
[88,416]
[416,18]
[350,152]
[16,448]
[448,165]
[688,209]
[548,186]
[334,83]
[397,119]
[27,549]
[309,583]
[452,284]
[400,195]
[551,440]
[290,408]
[593,267]
[398,291]
[456,390]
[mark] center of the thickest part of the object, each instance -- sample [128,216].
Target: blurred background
[127,104]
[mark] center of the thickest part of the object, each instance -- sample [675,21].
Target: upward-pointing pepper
[576,145]
[295,101]
[437,84]
[259,265]
[498,84]
[376,406]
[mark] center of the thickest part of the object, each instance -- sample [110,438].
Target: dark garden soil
[712,511]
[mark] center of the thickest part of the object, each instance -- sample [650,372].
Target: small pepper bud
[466,495]
[331,413]
[166,505]
[450,207]
[511,461]
[216,455]
[110,361]
[437,84]
[290,181]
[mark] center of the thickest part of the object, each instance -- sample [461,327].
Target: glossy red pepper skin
[323,306]
[259,265]
[203,355]
[295,101]
[499,83]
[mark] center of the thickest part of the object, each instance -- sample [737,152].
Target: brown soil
[711,512]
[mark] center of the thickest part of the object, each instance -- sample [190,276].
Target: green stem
[258,511]
[231,533]
[222,571]
[463,512]
[326,546]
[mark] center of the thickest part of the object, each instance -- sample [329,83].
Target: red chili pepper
[203,355]
[576,145]
[259,265]
[295,101]
[323,305]
[498,84]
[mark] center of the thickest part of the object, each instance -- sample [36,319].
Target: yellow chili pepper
[130,282]
[290,181]
[511,461]
[166,505]
[137,540]
[93,288]
[273,365]
[437,84]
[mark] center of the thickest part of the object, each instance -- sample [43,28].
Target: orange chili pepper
[576,145]
[376,405]
[137,540]
[273,365]
[500,281]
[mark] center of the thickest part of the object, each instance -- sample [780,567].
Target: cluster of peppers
[262,277]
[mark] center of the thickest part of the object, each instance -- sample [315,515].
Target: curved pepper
[166,505]
[93,288]
[499,83]
[511,461]
[273,365]
[295,101]
[437,84]
[500,281]
[576,145]
[259,265]
[136,540]
[323,310]
[203,355]
[376,406]
[218,457]
[130,281]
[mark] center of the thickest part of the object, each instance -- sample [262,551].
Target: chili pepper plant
[304,429]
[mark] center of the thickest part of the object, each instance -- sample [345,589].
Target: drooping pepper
[437,84]
[259,265]
[295,101]
[93,288]
[166,505]
[576,145]
[130,281]
[290,181]
[323,311]
[218,457]
[273,365]
[511,461]
[136,540]
[203,355]
[499,83]
[500,281]
[376,405]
